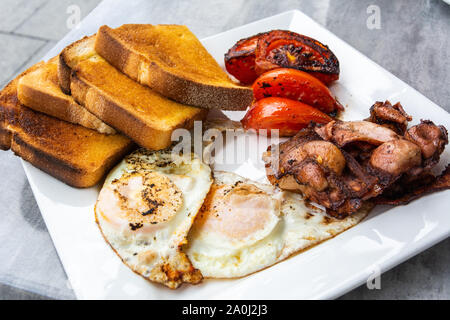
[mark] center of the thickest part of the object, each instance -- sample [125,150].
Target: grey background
[413,44]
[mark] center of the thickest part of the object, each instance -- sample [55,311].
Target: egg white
[153,248]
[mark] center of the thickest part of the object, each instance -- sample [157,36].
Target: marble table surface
[412,42]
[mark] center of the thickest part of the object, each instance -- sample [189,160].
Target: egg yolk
[236,212]
[139,201]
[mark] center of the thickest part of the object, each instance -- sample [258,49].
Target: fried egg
[245,226]
[145,209]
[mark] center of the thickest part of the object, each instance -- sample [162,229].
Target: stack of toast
[78,114]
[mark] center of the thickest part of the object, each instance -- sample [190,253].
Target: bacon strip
[440,183]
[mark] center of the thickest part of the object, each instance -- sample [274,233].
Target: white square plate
[387,237]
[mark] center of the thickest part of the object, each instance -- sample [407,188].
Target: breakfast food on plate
[173,62]
[40,91]
[139,112]
[285,65]
[342,164]
[245,226]
[253,56]
[161,211]
[282,114]
[288,100]
[146,208]
[296,85]
[71,153]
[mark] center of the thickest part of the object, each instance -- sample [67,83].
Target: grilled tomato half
[240,60]
[286,115]
[296,85]
[286,49]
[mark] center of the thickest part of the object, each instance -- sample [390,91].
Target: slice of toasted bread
[71,153]
[40,91]
[171,60]
[139,112]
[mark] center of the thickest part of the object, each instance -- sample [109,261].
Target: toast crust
[5,135]
[111,112]
[71,174]
[217,92]
[137,111]
[101,105]
[69,58]
[5,139]
[64,73]
[78,156]
[75,177]
[39,90]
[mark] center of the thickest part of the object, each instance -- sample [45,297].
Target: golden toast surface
[40,91]
[154,109]
[139,112]
[171,60]
[76,155]
[175,48]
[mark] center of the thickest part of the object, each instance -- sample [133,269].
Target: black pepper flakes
[150,211]
[135,226]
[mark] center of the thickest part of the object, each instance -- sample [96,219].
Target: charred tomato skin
[240,59]
[287,49]
[297,85]
[286,115]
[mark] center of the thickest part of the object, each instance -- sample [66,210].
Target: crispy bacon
[391,116]
[346,132]
[340,165]
[439,183]
[431,139]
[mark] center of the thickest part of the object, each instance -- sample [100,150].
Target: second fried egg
[245,226]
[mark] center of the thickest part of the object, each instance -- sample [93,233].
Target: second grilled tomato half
[296,85]
[286,115]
